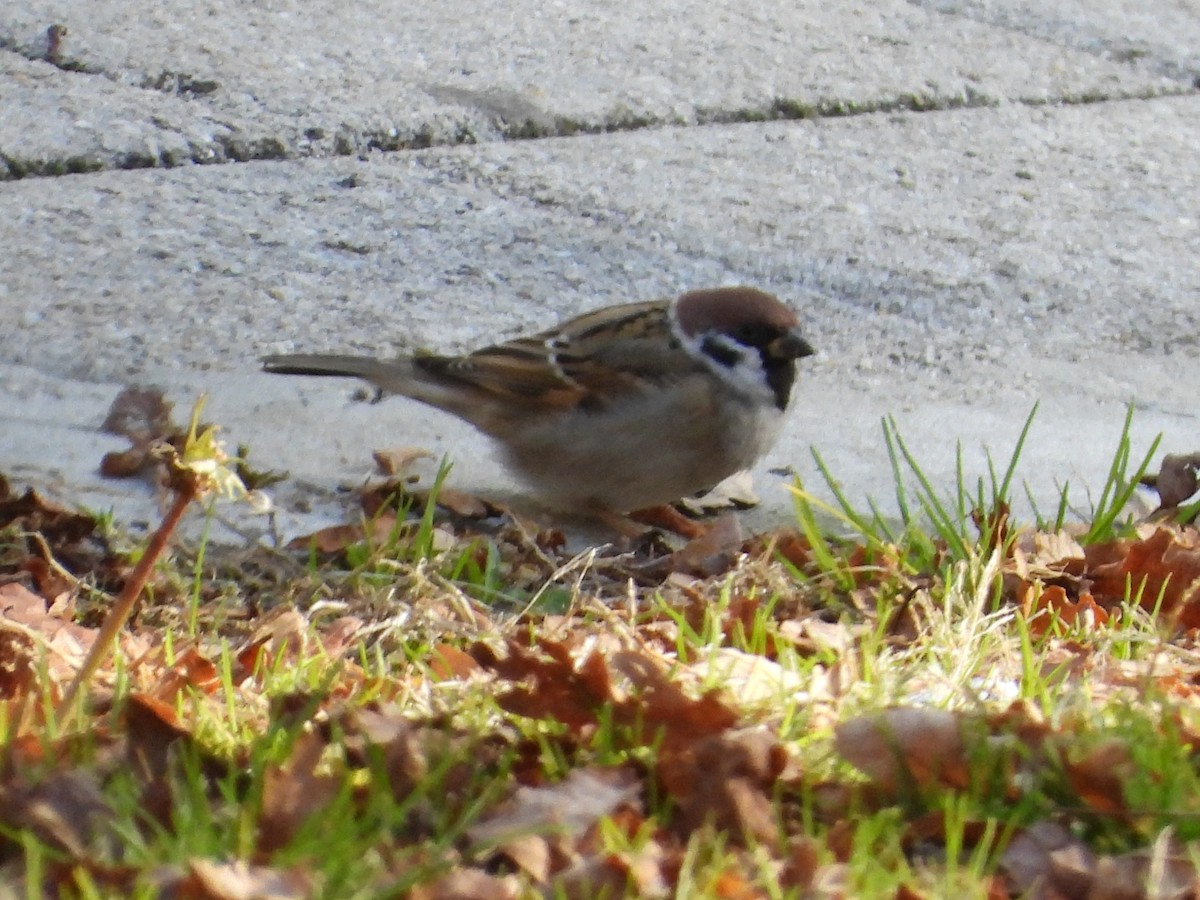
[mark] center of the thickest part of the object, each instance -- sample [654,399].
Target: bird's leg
[670,519]
[623,525]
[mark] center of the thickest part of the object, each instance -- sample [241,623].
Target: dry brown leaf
[1043,608]
[153,737]
[732,884]
[669,715]
[411,752]
[801,861]
[25,623]
[904,747]
[840,840]
[58,544]
[814,635]
[1099,778]
[143,415]
[1167,868]
[53,584]
[1048,557]
[139,413]
[393,493]
[19,604]
[191,669]
[1027,860]
[468,884]
[1164,564]
[1073,869]
[725,780]
[549,684]
[736,491]
[210,880]
[66,810]
[152,729]
[789,544]
[293,793]
[411,755]
[535,821]
[367,726]
[992,524]
[385,496]
[399,460]
[284,631]
[460,503]
[124,463]
[1178,479]
[337,538]
[20,659]
[31,512]
[247,659]
[713,551]
[447,662]
[340,635]
[637,874]
[1023,720]
[570,806]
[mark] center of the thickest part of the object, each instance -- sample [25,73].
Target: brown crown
[728,308]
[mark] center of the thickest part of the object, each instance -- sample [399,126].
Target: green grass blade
[1120,485]
[1006,484]
[897,477]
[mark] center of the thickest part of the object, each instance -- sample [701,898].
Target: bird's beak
[790,345]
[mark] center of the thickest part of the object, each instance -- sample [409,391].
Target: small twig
[185,492]
[48,555]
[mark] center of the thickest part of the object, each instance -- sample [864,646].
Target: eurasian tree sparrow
[619,409]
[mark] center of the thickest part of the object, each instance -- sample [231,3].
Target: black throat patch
[781,375]
[779,371]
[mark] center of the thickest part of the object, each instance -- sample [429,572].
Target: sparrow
[619,409]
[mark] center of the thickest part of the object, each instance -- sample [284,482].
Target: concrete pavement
[974,206]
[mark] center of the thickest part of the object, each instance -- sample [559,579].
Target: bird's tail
[373,370]
[395,376]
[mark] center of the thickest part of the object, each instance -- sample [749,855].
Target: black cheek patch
[720,352]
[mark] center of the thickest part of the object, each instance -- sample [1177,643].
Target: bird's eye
[754,335]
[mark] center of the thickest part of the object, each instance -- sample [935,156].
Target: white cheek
[745,377]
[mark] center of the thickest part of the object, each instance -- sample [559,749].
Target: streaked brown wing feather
[499,372]
[584,362]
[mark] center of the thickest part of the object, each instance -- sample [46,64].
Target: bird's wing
[583,363]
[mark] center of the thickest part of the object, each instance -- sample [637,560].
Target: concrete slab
[1160,37]
[57,123]
[226,80]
